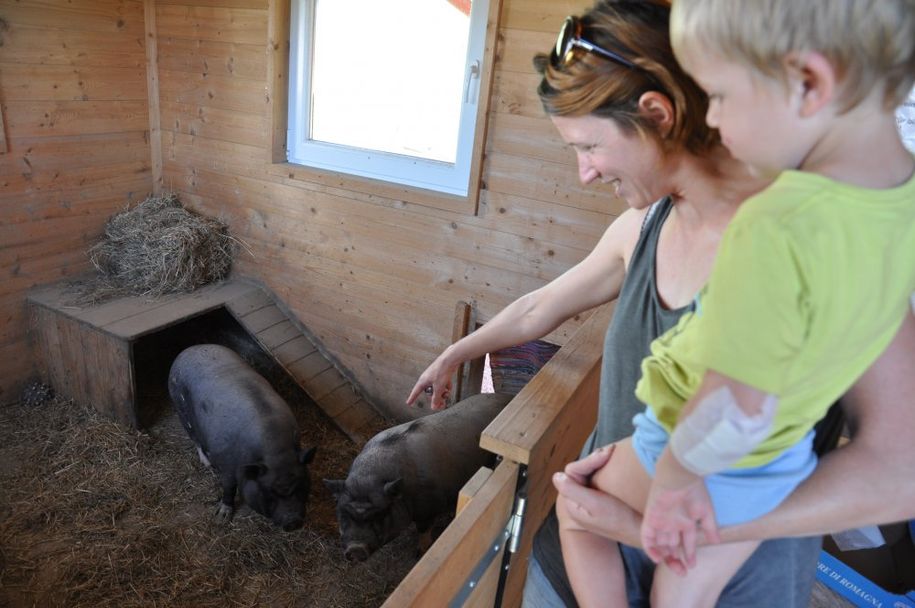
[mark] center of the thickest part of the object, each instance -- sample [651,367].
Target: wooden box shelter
[103,102]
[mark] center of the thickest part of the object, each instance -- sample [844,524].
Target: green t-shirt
[811,282]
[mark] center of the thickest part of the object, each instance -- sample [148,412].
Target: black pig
[244,430]
[412,473]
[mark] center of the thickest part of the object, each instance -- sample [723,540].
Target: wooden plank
[71,347]
[49,45]
[4,147]
[113,18]
[324,383]
[440,573]
[360,423]
[44,118]
[263,318]
[278,27]
[71,184]
[541,15]
[238,25]
[472,487]
[295,349]
[339,400]
[251,4]
[226,93]
[156,317]
[132,316]
[308,367]
[24,82]
[545,181]
[463,312]
[516,54]
[37,155]
[532,137]
[152,86]
[253,300]
[487,71]
[212,57]
[215,123]
[278,334]
[50,339]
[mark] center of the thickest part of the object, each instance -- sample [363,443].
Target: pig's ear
[306,456]
[392,488]
[335,486]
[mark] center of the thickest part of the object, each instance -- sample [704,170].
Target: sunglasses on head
[570,42]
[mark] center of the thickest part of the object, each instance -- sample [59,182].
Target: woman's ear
[659,110]
[813,77]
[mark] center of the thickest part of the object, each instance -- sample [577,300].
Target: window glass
[387,89]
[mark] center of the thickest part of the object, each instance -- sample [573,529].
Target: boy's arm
[723,422]
[881,454]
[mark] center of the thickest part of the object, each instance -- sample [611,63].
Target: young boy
[812,280]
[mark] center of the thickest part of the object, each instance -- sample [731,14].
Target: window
[387,89]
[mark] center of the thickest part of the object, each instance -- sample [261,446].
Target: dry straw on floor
[93,514]
[155,248]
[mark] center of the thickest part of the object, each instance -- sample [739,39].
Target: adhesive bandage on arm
[717,433]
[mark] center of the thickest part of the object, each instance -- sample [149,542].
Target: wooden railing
[541,430]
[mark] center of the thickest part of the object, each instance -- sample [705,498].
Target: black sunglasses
[570,40]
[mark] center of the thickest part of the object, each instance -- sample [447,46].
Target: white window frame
[451,178]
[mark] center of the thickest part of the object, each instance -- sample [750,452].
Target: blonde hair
[870,43]
[594,85]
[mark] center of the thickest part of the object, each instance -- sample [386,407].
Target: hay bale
[158,247]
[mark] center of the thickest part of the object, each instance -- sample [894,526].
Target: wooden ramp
[89,356]
[302,356]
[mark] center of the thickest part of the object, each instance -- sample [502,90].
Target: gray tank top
[639,318]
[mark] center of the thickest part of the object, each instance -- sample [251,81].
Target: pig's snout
[356,552]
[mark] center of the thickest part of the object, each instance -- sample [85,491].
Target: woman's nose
[586,171]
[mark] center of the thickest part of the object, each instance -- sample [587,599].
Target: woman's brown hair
[593,84]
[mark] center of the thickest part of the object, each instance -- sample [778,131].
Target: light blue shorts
[738,495]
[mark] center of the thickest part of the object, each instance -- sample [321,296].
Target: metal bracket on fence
[509,538]
[480,569]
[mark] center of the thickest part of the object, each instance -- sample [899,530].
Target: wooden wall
[373,270]
[75,146]
[374,274]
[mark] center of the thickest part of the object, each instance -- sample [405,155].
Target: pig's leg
[227,504]
[203,457]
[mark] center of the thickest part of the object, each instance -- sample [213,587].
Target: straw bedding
[155,248]
[93,514]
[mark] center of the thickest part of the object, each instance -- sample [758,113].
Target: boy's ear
[814,77]
[657,108]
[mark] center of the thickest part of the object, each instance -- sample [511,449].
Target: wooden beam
[152,84]
[463,325]
[487,70]
[278,76]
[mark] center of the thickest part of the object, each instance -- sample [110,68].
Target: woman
[615,93]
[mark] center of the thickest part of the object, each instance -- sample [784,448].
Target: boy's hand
[678,509]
